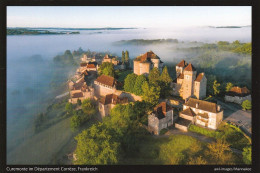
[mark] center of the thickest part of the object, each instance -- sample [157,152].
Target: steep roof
[91,66]
[83,64]
[77,94]
[147,57]
[183,63]
[107,80]
[108,56]
[113,99]
[161,109]
[181,76]
[189,112]
[199,77]
[190,67]
[237,91]
[203,105]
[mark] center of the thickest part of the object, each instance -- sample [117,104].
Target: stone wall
[136,67]
[181,127]
[236,99]
[144,68]
[103,90]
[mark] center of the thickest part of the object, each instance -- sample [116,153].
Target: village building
[80,91]
[199,112]
[162,117]
[104,85]
[118,65]
[97,58]
[85,58]
[106,103]
[145,62]
[92,67]
[188,83]
[237,95]
[111,59]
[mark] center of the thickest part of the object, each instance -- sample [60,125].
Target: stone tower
[180,67]
[188,82]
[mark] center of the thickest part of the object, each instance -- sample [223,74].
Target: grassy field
[233,135]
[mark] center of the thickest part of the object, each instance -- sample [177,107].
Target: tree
[210,81]
[75,122]
[151,94]
[106,68]
[79,102]
[123,57]
[219,152]
[154,76]
[216,87]
[247,155]
[229,86]
[165,77]
[197,161]
[96,145]
[138,85]
[127,56]
[88,107]
[130,82]
[246,105]
[69,107]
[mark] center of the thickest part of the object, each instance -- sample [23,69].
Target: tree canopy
[247,155]
[229,86]
[107,68]
[246,105]
[216,87]
[138,85]
[130,82]
[154,76]
[123,57]
[151,94]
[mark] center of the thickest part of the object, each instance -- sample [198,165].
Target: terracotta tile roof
[161,109]
[237,91]
[181,76]
[199,77]
[147,57]
[203,105]
[189,112]
[83,64]
[77,95]
[91,66]
[190,67]
[183,63]
[113,99]
[107,80]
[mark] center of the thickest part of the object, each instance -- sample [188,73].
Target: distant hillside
[145,42]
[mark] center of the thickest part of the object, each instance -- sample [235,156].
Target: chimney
[218,108]
[197,105]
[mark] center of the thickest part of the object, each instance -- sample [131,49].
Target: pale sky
[127,16]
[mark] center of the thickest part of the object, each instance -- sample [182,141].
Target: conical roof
[190,67]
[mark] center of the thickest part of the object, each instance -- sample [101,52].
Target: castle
[188,83]
[145,62]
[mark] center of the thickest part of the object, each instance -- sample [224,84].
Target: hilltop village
[152,100]
[187,92]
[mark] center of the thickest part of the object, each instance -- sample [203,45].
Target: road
[233,113]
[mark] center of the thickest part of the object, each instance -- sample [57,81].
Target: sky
[127,16]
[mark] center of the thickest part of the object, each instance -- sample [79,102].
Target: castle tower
[180,67]
[188,81]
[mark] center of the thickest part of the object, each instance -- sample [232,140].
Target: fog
[29,58]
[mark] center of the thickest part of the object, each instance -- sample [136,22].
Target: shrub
[247,155]
[206,132]
[246,105]
[163,131]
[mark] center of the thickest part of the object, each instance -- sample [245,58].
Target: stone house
[238,95]
[106,103]
[199,112]
[80,91]
[146,62]
[104,85]
[85,58]
[92,67]
[111,59]
[162,117]
[188,83]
